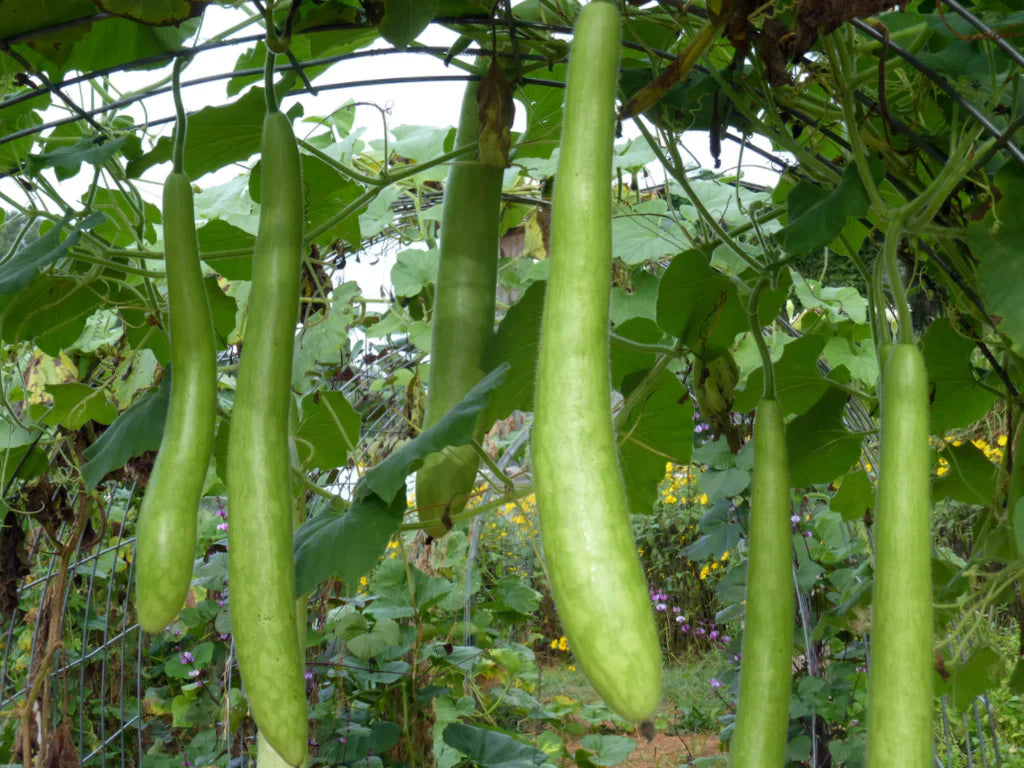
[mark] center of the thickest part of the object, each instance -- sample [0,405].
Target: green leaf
[659,430]
[154,12]
[454,428]
[855,497]
[328,430]
[982,670]
[218,235]
[798,382]
[491,749]
[1016,681]
[344,541]
[820,446]
[120,227]
[384,634]
[721,484]
[223,310]
[626,360]
[516,596]
[51,312]
[958,399]
[326,193]
[327,342]
[67,161]
[995,242]
[516,345]
[413,271]
[74,404]
[137,430]
[971,477]
[216,137]
[17,271]
[698,305]
[816,216]
[720,532]
[646,232]
[405,19]
[607,749]
[1018,524]
[543,106]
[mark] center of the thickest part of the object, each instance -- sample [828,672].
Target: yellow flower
[1002,440]
[714,566]
[704,572]
[669,498]
[703,498]
[725,555]
[867,465]
[363,582]
[572,667]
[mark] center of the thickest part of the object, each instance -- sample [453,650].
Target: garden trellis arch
[807,79]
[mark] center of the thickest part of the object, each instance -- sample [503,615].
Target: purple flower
[222,526]
[676,609]
[309,675]
[714,634]
[680,619]
[195,673]
[685,628]
[807,534]
[185,657]
[343,740]
[794,519]
[660,607]
[726,638]
[715,683]
[701,631]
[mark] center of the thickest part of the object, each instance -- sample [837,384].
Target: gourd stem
[268,82]
[762,345]
[178,149]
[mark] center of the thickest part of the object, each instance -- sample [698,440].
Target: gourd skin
[166,535]
[901,677]
[762,715]
[598,583]
[463,320]
[260,564]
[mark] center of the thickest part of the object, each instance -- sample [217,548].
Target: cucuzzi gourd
[463,321]
[260,500]
[166,533]
[598,583]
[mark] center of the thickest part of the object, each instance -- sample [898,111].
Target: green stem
[890,252]
[340,167]
[639,346]
[268,82]
[762,345]
[178,150]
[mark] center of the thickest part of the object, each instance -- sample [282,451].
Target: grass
[688,701]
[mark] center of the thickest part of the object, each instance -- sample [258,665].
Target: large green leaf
[970,477]
[328,431]
[216,137]
[855,497]
[608,749]
[50,311]
[645,232]
[817,216]
[344,541]
[491,749]
[405,19]
[74,404]
[454,428]
[137,430]
[982,670]
[659,430]
[958,399]
[516,344]
[995,242]
[699,305]
[798,382]
[17,271]
[820,446]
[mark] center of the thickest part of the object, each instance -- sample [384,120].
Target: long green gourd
[762,715]
[260,564]
[166,535]
[901,677]
[463,321]
[596,577]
